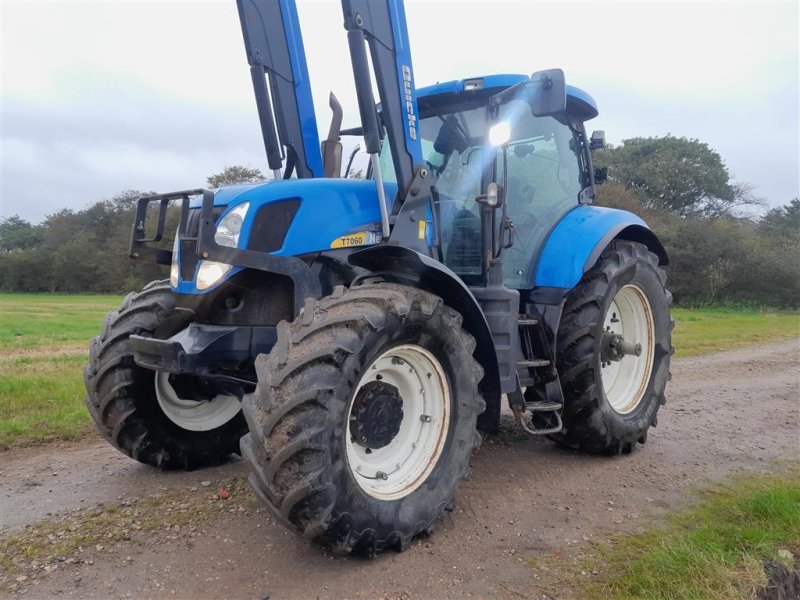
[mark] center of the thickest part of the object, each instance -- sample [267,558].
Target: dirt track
[729,411]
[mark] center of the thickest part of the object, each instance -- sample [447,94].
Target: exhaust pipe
[332,147]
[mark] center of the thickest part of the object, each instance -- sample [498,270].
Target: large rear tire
[611,399]
[138,411]
[364,418]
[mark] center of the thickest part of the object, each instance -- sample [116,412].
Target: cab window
[545,179]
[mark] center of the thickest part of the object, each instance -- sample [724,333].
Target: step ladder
[533,346]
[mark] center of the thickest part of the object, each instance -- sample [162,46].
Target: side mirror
[547,92]
[598,140]
[601,175]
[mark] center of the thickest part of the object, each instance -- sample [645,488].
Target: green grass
[713,551]
[704,330]
[30,321]
[44,345]
[44,341]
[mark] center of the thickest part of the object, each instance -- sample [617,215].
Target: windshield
[545,177]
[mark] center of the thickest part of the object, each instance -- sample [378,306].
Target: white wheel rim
[625,381]
[204,415]
[400,467]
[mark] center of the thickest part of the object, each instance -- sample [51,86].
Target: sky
[100,97]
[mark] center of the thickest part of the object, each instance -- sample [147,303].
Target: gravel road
[731,411]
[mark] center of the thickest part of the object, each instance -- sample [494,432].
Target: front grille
[271,225]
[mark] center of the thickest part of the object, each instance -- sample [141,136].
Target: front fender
[403,265]
[576,242]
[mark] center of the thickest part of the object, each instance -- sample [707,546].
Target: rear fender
[403,265]
[577,241]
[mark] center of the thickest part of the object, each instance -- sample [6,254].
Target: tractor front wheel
[147,415]
[364,418]
[614,348]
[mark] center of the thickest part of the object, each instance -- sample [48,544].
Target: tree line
[718,253]
[680,187]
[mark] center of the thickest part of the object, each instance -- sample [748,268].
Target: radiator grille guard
[196,236]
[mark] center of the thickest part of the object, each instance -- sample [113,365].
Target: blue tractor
[352,336]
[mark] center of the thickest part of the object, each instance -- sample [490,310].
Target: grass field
[704,330]
[44,342]
[715,550]
[44,345]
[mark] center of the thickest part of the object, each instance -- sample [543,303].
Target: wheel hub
[626,349]
[376,415]
[614,347]
[398,421]
[183,406]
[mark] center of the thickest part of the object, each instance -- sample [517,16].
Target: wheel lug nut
[425,418]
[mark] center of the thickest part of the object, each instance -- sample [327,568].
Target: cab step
[531,429]
[533,363]
[543,406]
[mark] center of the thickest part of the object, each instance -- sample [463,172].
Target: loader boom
[274,48]
[383,26]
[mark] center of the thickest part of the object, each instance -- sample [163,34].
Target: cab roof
[578,100]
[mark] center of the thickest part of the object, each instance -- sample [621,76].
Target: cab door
[546,177]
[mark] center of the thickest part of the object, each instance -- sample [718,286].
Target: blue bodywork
[563,259]
[503,81]
[331,208]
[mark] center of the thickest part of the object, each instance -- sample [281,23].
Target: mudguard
[577,241]
[404,265]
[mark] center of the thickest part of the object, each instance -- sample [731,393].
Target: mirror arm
[500,98]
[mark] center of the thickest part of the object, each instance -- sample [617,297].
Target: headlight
[210,272]
[230,226]
[227,234]
[174,267]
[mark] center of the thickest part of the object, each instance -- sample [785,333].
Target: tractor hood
[292,218]
[298,216]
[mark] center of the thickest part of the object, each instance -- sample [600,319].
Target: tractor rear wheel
[614,348]
[364,418]
[141,412]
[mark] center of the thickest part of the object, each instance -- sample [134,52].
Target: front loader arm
[382,24]
[274,48]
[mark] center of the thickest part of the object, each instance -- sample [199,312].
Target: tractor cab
[541,163]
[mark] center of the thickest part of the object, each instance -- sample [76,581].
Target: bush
[724,259]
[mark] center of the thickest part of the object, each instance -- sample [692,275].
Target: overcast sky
[98,97]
